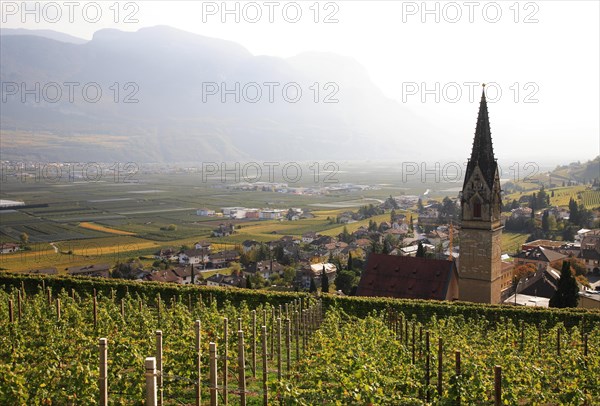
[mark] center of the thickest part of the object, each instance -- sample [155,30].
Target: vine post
[213,374]
[427,361]
[225,358]
[497,385]
[11,316]
[279,349]
[254,343]
[288,347]
[197,326]
[272,353]
[241,365]
[103,379]
[19,305]
[297,334]
[150,364]
[264,366]
[95,304]
[159,366]
[440,366]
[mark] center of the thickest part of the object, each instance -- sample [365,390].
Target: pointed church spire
[483,149]
[482,154]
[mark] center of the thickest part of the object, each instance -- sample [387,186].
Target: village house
[590,252]
[548,244]
[167,254]
[266,269]
[252,214]
[194,257]
[204,212]
[203,245]
[250,245]
[166,276]
[542,283]
[185,273]
[335,248]
[308,272]
[223,230]
[97,270]
[520,212]
[309,237]
[9,247]
[589,300]
[273,214]
[224,258]
[539,256]
[230,281]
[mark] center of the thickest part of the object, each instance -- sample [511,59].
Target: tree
[545,221]
[392,216]
[420,205]
[349,266]
[236,268]
[448,209]
[289,275]
[523,271]
[567,294]
[542,198]
[248,282]
[344,281]
[420,251]
[568,233]
[324,281]
[345,237]
[533,202]
[573,212]
[24,238]
[263,253]
[376,248]
[313,286]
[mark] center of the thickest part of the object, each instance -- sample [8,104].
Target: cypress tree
[567,294]
[324,281]
[313,287]
[420,251]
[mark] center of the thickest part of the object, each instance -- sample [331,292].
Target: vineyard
[591,199]
[307,352]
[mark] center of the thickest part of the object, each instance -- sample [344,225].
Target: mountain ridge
[169,72]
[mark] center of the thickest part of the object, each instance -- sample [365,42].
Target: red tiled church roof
[406,277]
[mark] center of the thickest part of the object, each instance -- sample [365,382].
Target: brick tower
[481,231]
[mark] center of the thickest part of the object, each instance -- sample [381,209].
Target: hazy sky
[545,50]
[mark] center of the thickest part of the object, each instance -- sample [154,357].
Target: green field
[512,242]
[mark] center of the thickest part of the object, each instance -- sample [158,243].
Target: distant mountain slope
[587,171]
[50,34]
[167,70]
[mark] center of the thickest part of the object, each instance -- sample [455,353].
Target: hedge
[421,310]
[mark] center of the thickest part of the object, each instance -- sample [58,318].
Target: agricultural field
[512,242]
[50,349]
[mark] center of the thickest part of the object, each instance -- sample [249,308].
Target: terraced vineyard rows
[383,360]
[51,357]
[386,357]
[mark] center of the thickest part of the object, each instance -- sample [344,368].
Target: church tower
[480,235]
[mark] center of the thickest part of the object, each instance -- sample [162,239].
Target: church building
[480,266]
